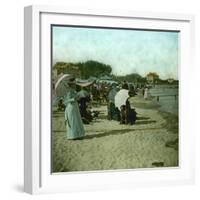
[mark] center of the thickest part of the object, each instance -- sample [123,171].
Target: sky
[126,51]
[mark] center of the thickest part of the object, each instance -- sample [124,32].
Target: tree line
[97,69]
[87,69]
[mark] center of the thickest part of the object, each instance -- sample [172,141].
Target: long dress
[73,119]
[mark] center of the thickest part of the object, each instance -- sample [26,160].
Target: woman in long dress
[73,119]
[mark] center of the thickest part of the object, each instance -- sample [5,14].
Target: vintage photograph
[114,99]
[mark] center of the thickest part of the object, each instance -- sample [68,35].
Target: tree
[134,77]
[87,69]
[94,68]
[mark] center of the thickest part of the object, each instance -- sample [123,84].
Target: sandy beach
[109,145]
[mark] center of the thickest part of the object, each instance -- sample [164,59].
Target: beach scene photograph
[114,99]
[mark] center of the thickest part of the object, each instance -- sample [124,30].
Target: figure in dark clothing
[132,91]
[83,105]
[61,105]
[84,98]
[125,85]
[123,114]
[130,114]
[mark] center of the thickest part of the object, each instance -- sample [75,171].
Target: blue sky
[127,51]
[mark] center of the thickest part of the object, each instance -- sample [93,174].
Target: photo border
[37,175]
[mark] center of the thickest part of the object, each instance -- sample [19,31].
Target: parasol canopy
[61,86]
[121,97]
[84,83]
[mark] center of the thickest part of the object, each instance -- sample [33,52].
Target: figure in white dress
[146,91]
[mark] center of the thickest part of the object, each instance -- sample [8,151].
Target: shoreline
[171,123]
[172,119]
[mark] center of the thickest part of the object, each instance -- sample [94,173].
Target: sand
[109,145]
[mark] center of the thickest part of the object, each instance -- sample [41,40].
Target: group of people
[126,114]
[75,105]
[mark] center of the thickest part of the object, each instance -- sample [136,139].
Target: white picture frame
[37,165]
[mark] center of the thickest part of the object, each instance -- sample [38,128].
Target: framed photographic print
[106,99]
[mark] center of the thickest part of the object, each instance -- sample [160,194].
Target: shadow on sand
[145,122]
[143,118]
[122,130]
[115,132]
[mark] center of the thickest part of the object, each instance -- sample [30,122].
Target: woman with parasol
[73,119]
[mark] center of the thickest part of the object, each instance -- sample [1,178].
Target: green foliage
[88,68]
[97,69]
[94,68]
[134,77]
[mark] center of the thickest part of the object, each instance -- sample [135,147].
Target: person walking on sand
[73,121]
[146,91]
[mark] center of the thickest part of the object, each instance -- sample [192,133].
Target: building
[152,77]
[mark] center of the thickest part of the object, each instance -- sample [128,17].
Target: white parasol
[121,97]
[61,86]
[84,84]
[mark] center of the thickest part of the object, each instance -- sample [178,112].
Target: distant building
[152,77]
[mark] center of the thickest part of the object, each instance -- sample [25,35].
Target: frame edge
[28,99]
[30,180]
